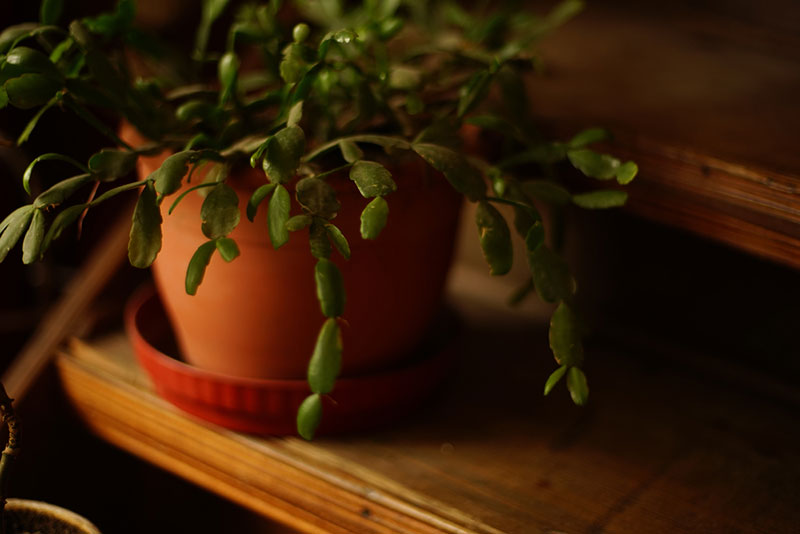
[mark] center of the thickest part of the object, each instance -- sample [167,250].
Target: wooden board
[704,98]
[662,448]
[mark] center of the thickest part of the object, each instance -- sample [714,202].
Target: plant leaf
[372,179]
[547,191]
[112,163]
[330,288]
[554,378]
[283,153]
[220,211]
[587,137]
[535,237]
[62,190]
[339,240]
[197,266]
[374,217]
[350,151]
[601,199]
[577,386]
[298,222]
[50,11]
[227,248]
[318,240]
[278,215]
[594,165]
[23,60]
[31,90]
[227,71]
[551,275]
[474,92]
[627,172]
[257,198]
[455,167]
[32,244]
[309,416]
[295,114]
[326,361]
[565,336]
[317,197]
[495,238]
[145,237]
[66,217]
[169,175]
[12,228]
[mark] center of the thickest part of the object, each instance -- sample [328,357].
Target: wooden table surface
[665,445]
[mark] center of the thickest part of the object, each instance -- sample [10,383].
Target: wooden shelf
[661,448]
[704,98]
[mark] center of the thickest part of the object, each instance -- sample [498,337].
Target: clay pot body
[259,316]
[25,516]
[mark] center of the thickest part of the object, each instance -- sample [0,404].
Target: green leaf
[350,151]
[535,237]
[12,33]
[26,176]
[169,175]
[212,9]
[326,361]
[283,153]
[278,215]
[62,220]
[3,97]
[22,60]
[112,163]
[32,244]
[554,378]
[455,167]
[12,228]
[318,240]
[309,416]
[547,191]
[293,66]
[227,70]
[295,114]
[601,199]
[145,237]
[257,198]
[577,386]
[339,240]
[196,109]
[374,218]
[227,248]
[330,288]
[404,78]
[31,90]
[317,197]
[372,179]
[495,238]
[551,275]
[565,336]
[220,211]
[594,165]
[62,190]
[298,222]
[197,266]
[587,137]
[474,92]
[50,11]
[627,172]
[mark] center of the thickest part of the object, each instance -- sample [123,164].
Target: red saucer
[261,406]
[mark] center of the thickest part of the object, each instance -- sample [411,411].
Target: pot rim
[62,514]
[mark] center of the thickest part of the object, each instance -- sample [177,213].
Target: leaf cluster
[337,92]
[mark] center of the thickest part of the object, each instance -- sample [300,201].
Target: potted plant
[313,119]
[23,516]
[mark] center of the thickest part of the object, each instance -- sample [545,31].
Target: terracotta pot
[258,316]
[24,516]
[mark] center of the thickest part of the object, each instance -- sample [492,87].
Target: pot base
[24,516]
[262,406]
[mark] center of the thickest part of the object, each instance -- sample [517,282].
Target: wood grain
[661,448]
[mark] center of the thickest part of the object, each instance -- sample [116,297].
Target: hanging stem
[9,453]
